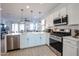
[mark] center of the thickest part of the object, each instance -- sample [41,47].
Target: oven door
[56,46]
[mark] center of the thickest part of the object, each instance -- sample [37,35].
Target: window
[21,27]
[42,24]
[31,26]
[15,28]
[36,26]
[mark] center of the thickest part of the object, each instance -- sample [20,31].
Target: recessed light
[27,6]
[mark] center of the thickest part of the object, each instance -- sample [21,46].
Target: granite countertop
[26,33]
[71,38]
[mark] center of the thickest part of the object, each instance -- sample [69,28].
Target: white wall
[73,12]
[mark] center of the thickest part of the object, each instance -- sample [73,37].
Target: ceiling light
[27,6]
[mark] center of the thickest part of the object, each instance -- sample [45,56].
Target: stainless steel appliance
[56,42]
[13,42]
[61,21]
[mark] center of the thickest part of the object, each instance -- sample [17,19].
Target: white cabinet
[49,21]
[43,39]
[33,39]
[73,12]
[70,46]
[24,41]
[37,39]
[63,11]
[56,14]
[69,50]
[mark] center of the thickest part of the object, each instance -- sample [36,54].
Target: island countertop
[14,34]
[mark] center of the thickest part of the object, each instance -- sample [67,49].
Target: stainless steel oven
[56,44]
[56,41]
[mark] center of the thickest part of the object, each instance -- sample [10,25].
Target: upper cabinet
[63,11]
[73,12]
[56,14]
[49,21]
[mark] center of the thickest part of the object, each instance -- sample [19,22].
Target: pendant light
[21,15]
[39,15]
[31,14]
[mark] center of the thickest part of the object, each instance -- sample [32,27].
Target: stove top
[61,34]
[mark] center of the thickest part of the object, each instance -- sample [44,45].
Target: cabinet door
[42,39]
[37,39]
[32,40]
[69,50]
[56,14]
[26,42]
[63,11]
[49,21]
[23,41]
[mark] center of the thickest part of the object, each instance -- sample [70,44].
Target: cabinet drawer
[69,41]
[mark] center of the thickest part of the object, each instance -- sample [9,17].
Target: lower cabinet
[69,50]
[70,47]
[23,41]
[31,40]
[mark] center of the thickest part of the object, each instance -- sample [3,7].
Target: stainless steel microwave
[61,21]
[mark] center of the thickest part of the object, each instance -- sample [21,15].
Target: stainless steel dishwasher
[13,42]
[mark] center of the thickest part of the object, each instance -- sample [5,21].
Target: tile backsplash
[72,27]
[76,26]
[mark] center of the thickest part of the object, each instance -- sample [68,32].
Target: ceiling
[12,11]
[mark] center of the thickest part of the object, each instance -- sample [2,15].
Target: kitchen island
[29,39]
